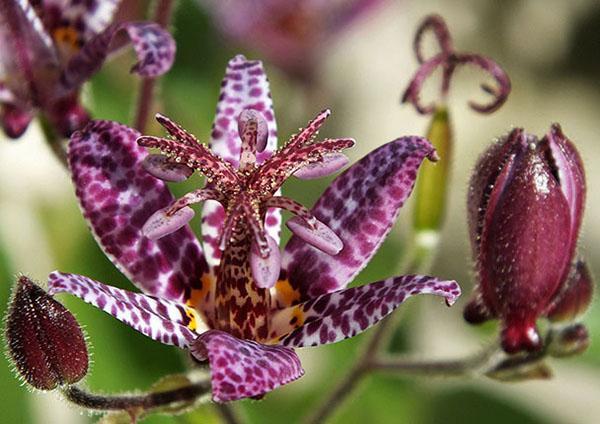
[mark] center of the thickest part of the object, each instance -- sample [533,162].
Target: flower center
[250,263]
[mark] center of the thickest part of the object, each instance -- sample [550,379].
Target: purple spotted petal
[117,196]
[360,206]
[336,316]
[243,368]
[161,224]
[87,18]
[27,51]
[162,167]
[154,47]
[316,234]
[330,164]
[244,86]
[165,321]
[265,270]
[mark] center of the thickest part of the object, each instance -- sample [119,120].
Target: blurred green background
[550,50]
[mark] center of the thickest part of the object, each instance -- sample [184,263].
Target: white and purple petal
[332,317]
[244,86]
[244,368]
[154,47]
[117,196]
[88,18]
[360,206]
[165,321]
[27,50]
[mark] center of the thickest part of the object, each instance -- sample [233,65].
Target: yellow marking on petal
[286,293]
[194,318]
[200,299]
[198,296]
[67,39]
[297,319]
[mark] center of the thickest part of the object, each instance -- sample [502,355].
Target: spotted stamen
[251,259]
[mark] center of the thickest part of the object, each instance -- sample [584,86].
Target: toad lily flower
[242,305]
[291,34]
[49,49]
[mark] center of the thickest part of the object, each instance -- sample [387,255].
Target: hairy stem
[162,16]
[147,401]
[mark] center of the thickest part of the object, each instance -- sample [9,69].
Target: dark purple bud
[575,295]
[14,120]
[525,205]
[44,340]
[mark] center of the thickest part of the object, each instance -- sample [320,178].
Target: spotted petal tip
[316,234]
[243,368]
[161,223]
[162,167]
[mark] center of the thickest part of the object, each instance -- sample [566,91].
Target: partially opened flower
[292,34]
[49,49]
[238,302]
[526,201]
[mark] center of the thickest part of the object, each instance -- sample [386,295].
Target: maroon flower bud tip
[525,204]
[449,59]
[575,295]
[44,340]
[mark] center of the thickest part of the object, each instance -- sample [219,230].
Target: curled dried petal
[448,58]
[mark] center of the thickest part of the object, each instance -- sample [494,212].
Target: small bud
[516,369]
[574,297]
[569,341]
[525,206]
[44,340]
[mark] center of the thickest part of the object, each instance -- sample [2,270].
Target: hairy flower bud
[569,341]
[525,205]
[44,340]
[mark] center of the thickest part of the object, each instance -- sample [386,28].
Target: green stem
[420,260]
[56,143]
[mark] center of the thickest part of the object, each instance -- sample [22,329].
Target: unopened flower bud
[525,206]
[515,369]
[569,341]
[44,340]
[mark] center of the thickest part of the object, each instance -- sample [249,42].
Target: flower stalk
[162,16]
[136,403]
